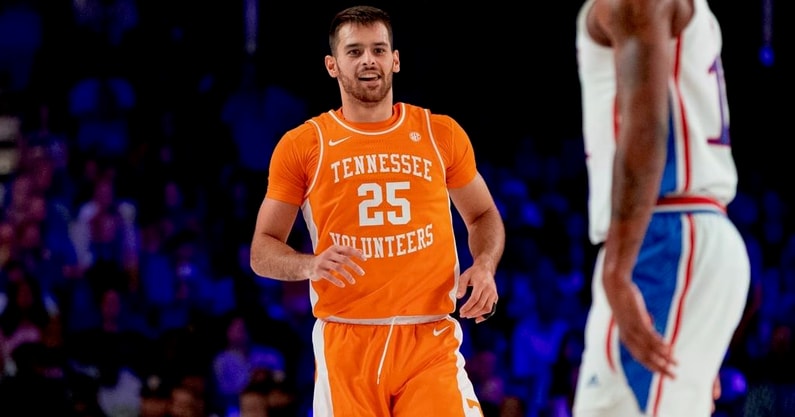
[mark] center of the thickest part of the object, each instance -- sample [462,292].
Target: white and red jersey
[699,164]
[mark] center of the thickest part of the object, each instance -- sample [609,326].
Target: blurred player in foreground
[672,276]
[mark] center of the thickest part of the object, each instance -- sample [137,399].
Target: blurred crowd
[131,169]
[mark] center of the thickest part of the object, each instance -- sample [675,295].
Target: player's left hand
[636,328]
[482,301]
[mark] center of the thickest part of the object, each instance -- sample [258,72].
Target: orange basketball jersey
[381,188]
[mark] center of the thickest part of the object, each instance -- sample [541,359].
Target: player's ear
[331,66]
[395,61]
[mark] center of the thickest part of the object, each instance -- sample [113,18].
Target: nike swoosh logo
[437,332]
[338,141]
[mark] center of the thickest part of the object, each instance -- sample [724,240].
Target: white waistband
[397,320]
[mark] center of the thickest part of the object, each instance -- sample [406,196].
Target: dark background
[506,70]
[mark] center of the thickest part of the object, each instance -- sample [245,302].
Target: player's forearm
[487,239]
[622,246]
[272,258]
[636,181]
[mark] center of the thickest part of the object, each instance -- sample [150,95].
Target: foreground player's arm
[640,32]
[272,257]
[486,244]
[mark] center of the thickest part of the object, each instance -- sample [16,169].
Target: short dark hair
[362,15]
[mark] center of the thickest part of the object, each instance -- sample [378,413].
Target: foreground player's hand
[483,298]
[637,331]
[337,262]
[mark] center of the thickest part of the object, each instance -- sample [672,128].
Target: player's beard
[355,89]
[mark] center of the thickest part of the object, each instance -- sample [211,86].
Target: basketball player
[374,180]
[671,278]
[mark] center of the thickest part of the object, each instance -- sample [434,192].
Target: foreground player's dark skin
[639,31]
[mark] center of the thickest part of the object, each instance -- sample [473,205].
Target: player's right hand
[637,332]
[337,262]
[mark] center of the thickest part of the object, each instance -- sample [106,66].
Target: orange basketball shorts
[405,367]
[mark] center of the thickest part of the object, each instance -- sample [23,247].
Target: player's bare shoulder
[595,21]
[608,19]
